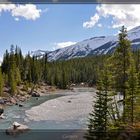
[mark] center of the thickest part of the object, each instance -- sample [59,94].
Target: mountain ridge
[93,46]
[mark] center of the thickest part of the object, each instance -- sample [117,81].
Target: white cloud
[99,25]
[63,44]
[93,20]
[124,14]
[28,11]
[6,7]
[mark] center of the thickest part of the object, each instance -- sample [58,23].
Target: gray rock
[35,94]
[20,105]
[16,129]
[13,101]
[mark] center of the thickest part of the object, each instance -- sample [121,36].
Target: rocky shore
[24,94]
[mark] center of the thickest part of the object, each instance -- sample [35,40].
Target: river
[53,116]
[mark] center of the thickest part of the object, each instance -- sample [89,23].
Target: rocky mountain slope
[93,46]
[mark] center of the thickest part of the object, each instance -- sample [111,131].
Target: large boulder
[35,94]
[17,128]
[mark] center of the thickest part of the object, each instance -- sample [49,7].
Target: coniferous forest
[112,75]
[16,69]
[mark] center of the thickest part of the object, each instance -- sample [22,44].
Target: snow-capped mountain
[38,53]
[93,46]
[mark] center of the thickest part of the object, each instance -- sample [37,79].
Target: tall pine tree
[98,119]
[121,65]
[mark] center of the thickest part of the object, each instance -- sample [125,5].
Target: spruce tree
[12,71]
[12,82]
[121,64]
[98,119]
[132,92]
[17,76]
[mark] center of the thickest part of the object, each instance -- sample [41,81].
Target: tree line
[17,69]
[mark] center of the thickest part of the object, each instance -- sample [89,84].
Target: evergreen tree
[98,119]
[12,82]
[12,71]
[121,64]
[132,92]
[17,76]
[63,82]
[5,63]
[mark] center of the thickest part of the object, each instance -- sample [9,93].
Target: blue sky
[53,25]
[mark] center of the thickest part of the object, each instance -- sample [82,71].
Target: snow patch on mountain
[93,46]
